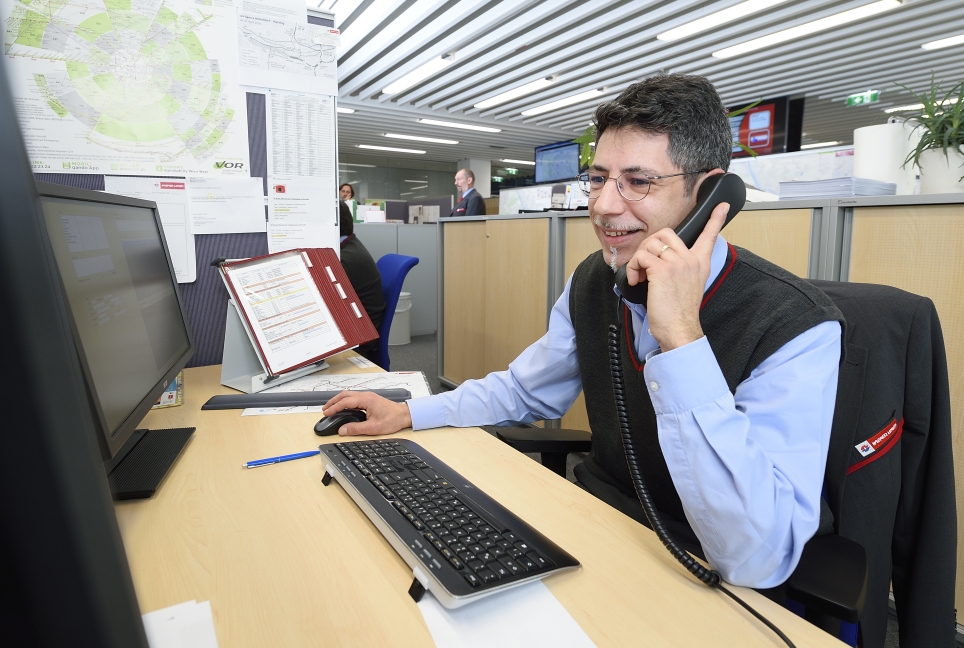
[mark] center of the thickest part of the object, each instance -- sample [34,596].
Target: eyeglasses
[632,186]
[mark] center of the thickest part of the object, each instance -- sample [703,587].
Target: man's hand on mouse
[677,278]
[384,416]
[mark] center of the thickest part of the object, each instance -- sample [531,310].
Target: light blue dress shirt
[748,467]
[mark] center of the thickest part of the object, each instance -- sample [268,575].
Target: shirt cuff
[684,378]
[427,412]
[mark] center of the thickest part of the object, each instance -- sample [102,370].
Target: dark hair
[345,222]
[687,108]
[345,184]
[468,174]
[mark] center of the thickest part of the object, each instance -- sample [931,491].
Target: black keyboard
[461,544]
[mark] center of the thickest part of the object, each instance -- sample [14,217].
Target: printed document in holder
[287,312]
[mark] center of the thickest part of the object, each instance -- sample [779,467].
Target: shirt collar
[467,191]
[717,260]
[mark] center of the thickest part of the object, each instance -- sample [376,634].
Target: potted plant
[939,153]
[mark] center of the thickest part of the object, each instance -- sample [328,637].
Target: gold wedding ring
[662,249]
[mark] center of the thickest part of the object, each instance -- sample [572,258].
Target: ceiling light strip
[389,148]
[418,75]
[448,124]
[717,18]
[829,22]
[417,138]
[562,103]
[518,162]
[944,42]
[521,91]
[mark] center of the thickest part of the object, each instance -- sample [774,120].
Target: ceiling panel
[496,45]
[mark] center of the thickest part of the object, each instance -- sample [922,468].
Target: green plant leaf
[940,120]
[586,150]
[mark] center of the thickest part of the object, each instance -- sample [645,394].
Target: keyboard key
[457,547]
[504,544]
[477,535]
[431,537]
[455,562]
[476,548]
[539,559]
[438,545]
[527,563]
[511,565]
[485,556]
[497,551]
[475,564]
[512,552]
[447,538]
[466,556]
[485,542]
[459,532]
[524,546]
[472,579]
[487,576]
[499,570]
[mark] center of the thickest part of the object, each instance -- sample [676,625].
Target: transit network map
[128,86]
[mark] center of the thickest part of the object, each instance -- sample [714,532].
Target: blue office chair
[393,268]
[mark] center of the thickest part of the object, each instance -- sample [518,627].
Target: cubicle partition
[411,240]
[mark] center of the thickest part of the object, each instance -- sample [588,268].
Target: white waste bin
[401,331]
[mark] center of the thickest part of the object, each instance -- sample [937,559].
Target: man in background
[471,203]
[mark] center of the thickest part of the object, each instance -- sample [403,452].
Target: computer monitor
[64,576]
[762,128]
[559,161]
[121,291]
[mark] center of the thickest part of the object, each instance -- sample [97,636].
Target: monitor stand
[137,469]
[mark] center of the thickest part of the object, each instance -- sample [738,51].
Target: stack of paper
[185,624]
[836,188]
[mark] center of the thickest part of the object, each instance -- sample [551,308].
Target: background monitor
[762,128]
[121,291]
[64,576]
[559,161]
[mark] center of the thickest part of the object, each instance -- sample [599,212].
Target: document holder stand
[241,367]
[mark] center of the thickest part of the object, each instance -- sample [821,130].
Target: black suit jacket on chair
[890,471]
[470,205]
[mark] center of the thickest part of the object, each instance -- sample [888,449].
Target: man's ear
[700,180]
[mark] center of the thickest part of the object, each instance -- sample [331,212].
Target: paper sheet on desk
[413,381]
[185,625]
[524,616]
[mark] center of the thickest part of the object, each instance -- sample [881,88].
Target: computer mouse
[330,424]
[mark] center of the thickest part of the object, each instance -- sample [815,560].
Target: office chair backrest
[890,474]
[393,268]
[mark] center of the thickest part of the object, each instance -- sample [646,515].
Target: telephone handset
[715,189]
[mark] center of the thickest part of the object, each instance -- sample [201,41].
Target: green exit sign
[861,98]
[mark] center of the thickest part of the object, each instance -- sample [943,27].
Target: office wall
[391,183]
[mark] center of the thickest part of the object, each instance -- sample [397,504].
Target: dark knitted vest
[752,309]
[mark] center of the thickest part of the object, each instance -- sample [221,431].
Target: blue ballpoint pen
[274,460]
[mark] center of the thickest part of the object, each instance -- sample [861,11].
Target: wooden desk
[286,561]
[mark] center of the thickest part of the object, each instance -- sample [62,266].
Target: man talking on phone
[730,368]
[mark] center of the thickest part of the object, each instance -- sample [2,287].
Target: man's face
[622,225]
[346,193]
[462,181]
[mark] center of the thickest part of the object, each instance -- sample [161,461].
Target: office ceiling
[497,45]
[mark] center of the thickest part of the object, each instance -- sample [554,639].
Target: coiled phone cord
[711,577]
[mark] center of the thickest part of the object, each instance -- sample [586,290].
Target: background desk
[288,562]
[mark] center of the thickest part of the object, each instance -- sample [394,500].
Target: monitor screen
[123,300]
[762,128]
[558,161]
